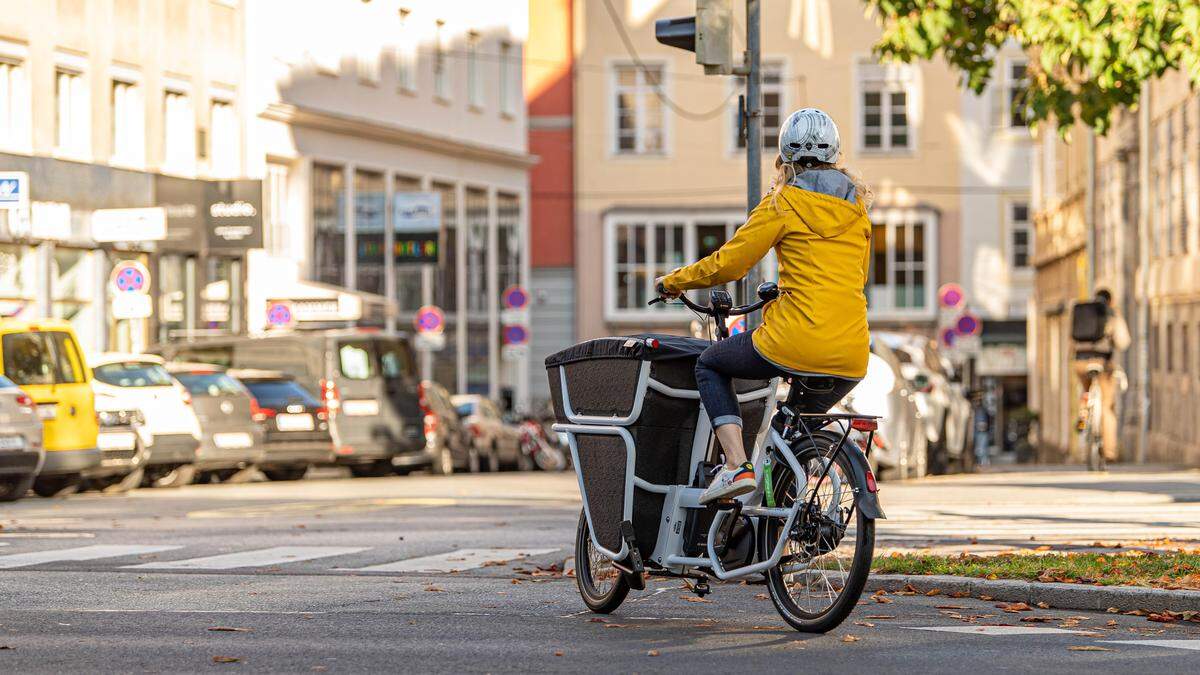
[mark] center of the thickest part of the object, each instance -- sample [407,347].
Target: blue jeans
[716,369]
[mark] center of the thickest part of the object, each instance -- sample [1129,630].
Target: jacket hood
[825,215]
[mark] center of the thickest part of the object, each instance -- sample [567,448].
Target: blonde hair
[786,171]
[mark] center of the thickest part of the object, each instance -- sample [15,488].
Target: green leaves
[1087,57]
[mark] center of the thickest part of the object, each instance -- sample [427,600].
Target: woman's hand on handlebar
[663,293]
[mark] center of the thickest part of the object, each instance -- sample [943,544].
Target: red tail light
[264,414]
[474,430]
[872,486]
[422,401]
[25,400]
[863,424]
[330,395]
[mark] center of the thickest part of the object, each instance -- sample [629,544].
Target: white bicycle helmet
[809,133]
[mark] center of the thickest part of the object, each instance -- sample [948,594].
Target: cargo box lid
[642,347]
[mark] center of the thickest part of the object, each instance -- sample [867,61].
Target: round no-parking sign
[515,335]
[429,319]
[130,276]
[280,314]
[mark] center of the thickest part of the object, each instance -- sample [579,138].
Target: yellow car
[43,358]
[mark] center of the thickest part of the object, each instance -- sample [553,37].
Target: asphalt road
[463,574]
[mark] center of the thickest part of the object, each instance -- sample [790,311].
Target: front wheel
[827,554]
[601,584]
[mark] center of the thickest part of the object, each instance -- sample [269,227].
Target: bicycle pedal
[725,504]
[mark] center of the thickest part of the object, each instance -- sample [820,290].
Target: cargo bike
[643,451]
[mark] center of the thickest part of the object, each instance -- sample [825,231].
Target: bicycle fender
[867,501]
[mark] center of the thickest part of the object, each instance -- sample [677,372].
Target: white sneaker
[730,483]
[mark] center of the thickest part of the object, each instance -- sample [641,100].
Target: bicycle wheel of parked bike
[828,553]
[602,585]
[1092,435]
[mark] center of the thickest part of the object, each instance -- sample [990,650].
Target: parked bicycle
[643,449]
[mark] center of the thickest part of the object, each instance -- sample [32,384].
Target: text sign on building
[234,215]
[14,190]
[129,225]
[417,223]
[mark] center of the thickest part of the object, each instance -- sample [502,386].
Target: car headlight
[119,418]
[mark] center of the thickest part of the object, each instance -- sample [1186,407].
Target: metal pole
[753,136]
[1143,301]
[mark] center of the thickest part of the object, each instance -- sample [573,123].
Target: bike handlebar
[711,311]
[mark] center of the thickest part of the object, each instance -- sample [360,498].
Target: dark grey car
[230,439]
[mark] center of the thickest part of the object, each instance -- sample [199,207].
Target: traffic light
[708,33]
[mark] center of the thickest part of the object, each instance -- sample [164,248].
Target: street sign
[515,297]
[514,317]
[429,319]
[148,224]
[131,306]
[14,190]
[516,335]
[736,324]
[951,295]
[129,276]
[430,342]
[280,314]
[967,324]
[514,352]
[948,337]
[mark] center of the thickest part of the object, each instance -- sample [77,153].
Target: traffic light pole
[753,62]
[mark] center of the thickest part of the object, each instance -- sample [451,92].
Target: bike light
[872,486]
[652,343]
[864,424]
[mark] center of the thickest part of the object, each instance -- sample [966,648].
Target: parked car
[124,448]
[295,423]
[448,444]
[497,442]
[230,439]
[367,379]
[140,382]
[21,451]
[902,432]
[43,359]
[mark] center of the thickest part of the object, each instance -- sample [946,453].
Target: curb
[1058,596]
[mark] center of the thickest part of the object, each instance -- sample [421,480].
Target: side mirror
[768,290]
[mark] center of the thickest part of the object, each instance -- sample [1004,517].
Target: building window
[409,277]
[179,140]
[1170,350]
[329,223]
[506,79]
[887,91]
[441,64]
[474,82]
[901,277]
[477,250]
[369,225]
[1020,236]
[72,119]
[772,106]
[638,112]
[223,140]
[446,291]
[641,249]
[14,105]
[128,124]
[1016,90]
[368,62]
[72,283]
[276,233]
[508,239]
[406,56]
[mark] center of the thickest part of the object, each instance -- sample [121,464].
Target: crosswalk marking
[76,554]
[1193,645]
[998,630]
[462,559]
[277,555]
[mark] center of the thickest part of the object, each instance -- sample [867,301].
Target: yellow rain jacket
[819,323]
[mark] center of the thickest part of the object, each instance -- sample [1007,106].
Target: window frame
[78,145]
[19,104]
[1008,83]
[890,217]
[689,220]
[1010,230]
[474,76]
[894,78]
[133,157]
[505,80]
[614,151]
[770,140]
[168,166]
[443,77]
[405,54]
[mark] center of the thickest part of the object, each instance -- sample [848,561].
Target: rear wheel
[376,469]
[13,488]
[601,585]
[473,463]
[285,472]
[827,555]
[493,460]
[57,486]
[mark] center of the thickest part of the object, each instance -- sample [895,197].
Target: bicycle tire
[833,615]
[596,599]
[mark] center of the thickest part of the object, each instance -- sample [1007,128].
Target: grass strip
[1170,570]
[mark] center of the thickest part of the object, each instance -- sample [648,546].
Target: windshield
[281,393]
[133,374]
[210,384]
[41,358]
[396,359]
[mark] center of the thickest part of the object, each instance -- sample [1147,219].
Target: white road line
[261,558]
[1193,645]
[76,554]
[455,561]
[999,630]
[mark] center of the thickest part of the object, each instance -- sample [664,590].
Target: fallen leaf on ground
[949,607]
[1037,619]
[558,653]
[762,596]
[881,599]
[435,589]
[652,652]
[959,594]
[879,617]
[1044,605]
[596,619]
[1089,648]
[850,638]
[225,659]
[932,592]
[864,624]
[228,629]
[986,597]
[693,598]
[1014,607]
[1113,610]
[764,628]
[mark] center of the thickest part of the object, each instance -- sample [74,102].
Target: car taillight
[421,400]
[330,395]
[25,400]
[474,430]
[431,424]
[263,414]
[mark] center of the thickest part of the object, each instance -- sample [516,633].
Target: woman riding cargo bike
[660,496]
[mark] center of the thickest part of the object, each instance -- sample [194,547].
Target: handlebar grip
[655,301]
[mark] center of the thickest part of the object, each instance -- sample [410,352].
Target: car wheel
[13,488]
[376,469]
[285,472]
[181,475]
[56,486]
[493,460]
[443,464]
[126,483]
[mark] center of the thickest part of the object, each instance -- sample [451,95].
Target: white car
[882,392]
[171,429]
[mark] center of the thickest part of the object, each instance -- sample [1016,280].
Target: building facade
[1121,212]
[355,109]
[111,105]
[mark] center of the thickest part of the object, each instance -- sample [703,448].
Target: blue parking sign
[14,190]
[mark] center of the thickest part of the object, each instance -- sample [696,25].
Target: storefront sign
[129,225]
[14,190]
[1003,359]
[183,201]
[417,222]
[234,215]
[345,307]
